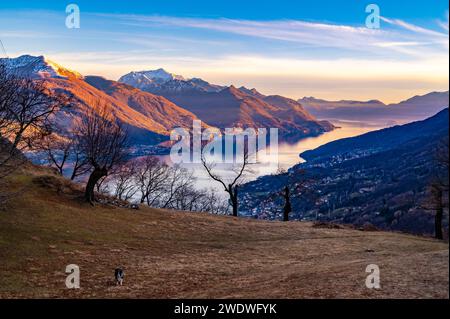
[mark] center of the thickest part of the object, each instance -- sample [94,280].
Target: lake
[288,155]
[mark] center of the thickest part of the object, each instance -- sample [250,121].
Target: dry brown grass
[187,255]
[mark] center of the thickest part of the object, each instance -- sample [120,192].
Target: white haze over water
[288,155]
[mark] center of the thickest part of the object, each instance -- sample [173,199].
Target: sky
[293,48]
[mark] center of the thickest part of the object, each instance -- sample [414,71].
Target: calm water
[288,155]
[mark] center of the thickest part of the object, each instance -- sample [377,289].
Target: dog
[119,274]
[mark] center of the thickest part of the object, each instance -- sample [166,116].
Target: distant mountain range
[380,140]
[148,117]
[380,178]
[415,108]
[152,103]
[224,107]
[319,104]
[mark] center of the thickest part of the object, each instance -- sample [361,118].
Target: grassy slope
[173,254]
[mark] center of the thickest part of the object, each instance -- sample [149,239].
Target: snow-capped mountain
[149,118]
[162,82]
[152,103]
[37,67]
[143,78]
[223,106]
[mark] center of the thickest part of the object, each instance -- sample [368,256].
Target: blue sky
[293,48]
[339,11]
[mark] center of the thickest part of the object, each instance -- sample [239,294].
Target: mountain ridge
[148,118]
[38,67]
[228,106]
[411,109]
[161,82]
[386,138]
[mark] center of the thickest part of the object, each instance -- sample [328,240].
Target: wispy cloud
[288,57]
[444,24]
[414,28]
[394,34]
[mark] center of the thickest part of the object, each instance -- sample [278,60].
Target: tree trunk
[233,191]
[439,215]
[235,208]
[74,171]
[287,205]
[95,176]
[17,139]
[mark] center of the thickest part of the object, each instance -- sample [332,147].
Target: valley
[380,179]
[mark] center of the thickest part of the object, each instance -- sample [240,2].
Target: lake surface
[288,155]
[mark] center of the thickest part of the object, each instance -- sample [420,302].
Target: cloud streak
[394,34]
[288,57]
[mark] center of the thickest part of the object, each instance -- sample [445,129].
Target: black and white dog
[119,274]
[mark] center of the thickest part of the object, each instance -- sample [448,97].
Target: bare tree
[160,185]
[442,160]
[163,186]
[102,186]
[10,159]
[188,199]
[232,187]
[287,209]
[32,111]
[151,175]
[27,109]
[292,185]
[179,181]
[295,184]
[123,181]
[63,153]
[437,200]
[212,203]
[57,151]
[439,186]
[102,142]
[7,95]
[80,164]
[7,152]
